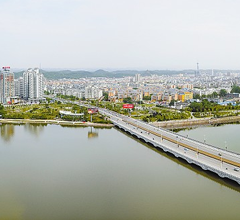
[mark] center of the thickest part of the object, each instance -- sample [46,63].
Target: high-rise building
[6,85]
[92,92]
[19,87]
[33,85]
[197,72]
[137,78]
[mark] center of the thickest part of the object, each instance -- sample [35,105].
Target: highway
[225,163]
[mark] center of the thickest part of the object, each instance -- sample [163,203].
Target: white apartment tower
[7,89]
[137,78]
[33,85]
[93,92]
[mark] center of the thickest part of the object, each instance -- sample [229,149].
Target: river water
[54,172]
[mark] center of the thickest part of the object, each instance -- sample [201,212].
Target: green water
[224,136]
[54,172]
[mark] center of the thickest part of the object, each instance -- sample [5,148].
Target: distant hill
[18,74]
[69,74]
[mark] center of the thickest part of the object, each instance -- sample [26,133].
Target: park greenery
[50,112]
[211,109]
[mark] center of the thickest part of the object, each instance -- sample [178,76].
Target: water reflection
[7,131]
[35,129]
[92,133]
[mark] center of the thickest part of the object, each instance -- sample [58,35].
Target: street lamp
[197,151]
[221,159]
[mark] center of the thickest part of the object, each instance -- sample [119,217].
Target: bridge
[224,163]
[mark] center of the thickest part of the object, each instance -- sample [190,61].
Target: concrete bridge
[222,162]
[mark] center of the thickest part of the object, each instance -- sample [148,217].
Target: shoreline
[196,122]
[175,124]
[64,123]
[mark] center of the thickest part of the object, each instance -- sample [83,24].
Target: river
[54,172]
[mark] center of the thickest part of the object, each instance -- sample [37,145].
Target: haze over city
[126,34]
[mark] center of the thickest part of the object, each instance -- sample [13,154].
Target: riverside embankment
[164,124]
[57,122]
[196,122]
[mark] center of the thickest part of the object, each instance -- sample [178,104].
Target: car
[236,169]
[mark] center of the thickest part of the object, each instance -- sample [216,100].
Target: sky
[120,34]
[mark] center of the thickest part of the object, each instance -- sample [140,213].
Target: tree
[214,94]
[172,102]
[2,110]
[146,97]
[203,96]
[235,89]
[222,92]
[127,100]
[105,94]
[196,96]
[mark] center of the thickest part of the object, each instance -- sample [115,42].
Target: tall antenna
[197,73]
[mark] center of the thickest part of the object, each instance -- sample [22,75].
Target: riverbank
[196,122]
[163,124]
[57,122]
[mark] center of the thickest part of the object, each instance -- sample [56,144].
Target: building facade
[19,87]
[33,85]
[93,92]
[7,89]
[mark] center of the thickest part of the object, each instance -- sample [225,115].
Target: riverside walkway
[222,162]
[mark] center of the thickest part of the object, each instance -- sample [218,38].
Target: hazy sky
[120,34]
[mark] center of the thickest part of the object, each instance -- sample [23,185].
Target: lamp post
[221,159]
[197,151]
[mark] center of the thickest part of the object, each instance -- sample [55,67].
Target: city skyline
[79,34]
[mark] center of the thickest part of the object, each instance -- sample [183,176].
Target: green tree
[2,110]
[214,94]
[172,102]
[127,100]
[235,89]
[146,97]
[196,96]
[222,92]
[105,94]
[203,96]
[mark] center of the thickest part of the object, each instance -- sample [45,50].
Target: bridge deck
[222,162]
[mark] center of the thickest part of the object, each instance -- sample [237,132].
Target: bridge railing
[191,139]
